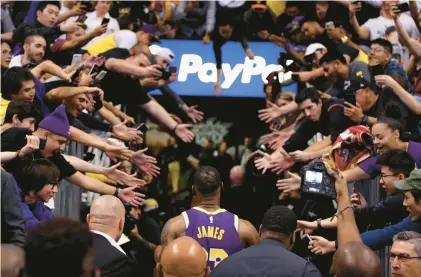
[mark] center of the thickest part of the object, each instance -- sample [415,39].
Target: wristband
[175,128]
[364,120]
[319,223]
[117,190]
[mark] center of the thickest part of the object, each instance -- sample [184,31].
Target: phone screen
[105,21]
[173,69]
[377,70]
[350,98]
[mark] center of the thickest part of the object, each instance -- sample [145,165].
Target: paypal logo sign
[240,76]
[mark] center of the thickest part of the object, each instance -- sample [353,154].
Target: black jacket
[332,122]
[387,212]
[267,258]
[12,223]
[110,261]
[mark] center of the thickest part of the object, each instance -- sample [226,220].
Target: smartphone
[173,69]
[42,143]
[377,70]
[81,19]
[94,69]
[309,239]
[76,59]
[105,21]
[403,7]
[295,77]
[100,75]
[143,128]
[350,98]
[87,6]
[330,25]
[165,75]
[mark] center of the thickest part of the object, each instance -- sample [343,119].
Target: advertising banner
[241,77]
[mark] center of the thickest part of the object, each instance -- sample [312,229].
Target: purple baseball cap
[152,30]
[57,122]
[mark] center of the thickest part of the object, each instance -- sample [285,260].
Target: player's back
[216,231]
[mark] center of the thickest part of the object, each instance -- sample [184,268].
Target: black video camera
[130,221]
[316,180]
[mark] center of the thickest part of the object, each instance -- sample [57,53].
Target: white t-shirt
[93,21]
[16,61]
[125,39]
[378,3]
[382,27]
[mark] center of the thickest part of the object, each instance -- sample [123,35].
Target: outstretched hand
[147,164]
[129,196]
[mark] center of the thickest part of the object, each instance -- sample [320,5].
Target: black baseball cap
[359,83]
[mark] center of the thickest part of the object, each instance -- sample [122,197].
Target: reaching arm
[355,174]
[405,97]
[124,67]
[81,41]
[49,67]
[83,138]
[347,228]
[413,45]
[116,111]
[159,113]
[61,93]
[7,156]
[109,116]
[415,14]
[362,31]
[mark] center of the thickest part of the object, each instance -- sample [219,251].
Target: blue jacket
[379,238]
[35,214]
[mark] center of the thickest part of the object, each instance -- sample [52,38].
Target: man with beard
[34,48]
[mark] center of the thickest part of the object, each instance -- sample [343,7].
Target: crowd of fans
[78,71]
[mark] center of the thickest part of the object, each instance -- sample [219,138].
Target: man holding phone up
[163,57]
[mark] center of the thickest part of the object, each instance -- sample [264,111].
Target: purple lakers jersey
[217,232]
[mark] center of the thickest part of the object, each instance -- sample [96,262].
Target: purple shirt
[34,214]
[371,167]
[217,233]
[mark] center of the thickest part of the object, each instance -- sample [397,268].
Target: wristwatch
[364,120]
[344,39]
[319,223]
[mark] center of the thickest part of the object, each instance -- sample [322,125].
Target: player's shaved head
[183,257]
[354,259]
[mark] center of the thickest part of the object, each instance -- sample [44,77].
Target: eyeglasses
[382,176]
[401,258]
[376,50]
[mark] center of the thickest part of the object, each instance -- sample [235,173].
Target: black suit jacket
[111,261]
[12,222]
[267,258]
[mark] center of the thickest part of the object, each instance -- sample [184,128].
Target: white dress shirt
[110,239]
[92,21]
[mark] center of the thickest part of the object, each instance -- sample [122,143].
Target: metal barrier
[373,193]
[68,198]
